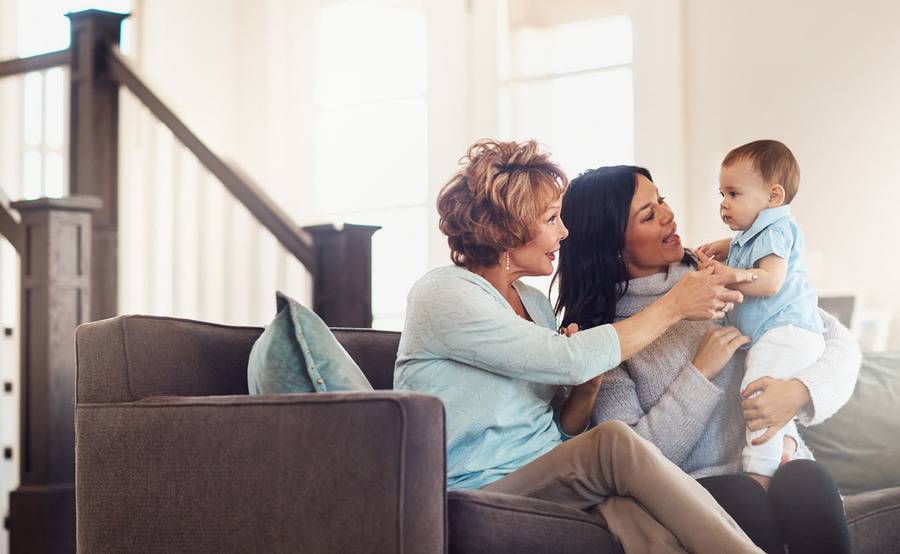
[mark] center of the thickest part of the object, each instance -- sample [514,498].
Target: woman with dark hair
[682,392]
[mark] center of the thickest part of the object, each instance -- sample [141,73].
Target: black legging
[802,510]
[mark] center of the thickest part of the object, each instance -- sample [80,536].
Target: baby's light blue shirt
[775,232]
[498,375]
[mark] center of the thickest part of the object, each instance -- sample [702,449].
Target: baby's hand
[717,249]
[707,261]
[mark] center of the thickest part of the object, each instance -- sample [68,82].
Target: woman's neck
[635,272]
[499,277]
[502,280]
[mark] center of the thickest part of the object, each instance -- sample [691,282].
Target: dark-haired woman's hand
[717,347]
[701,295]
[770,402]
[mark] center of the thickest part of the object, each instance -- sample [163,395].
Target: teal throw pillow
[297,352]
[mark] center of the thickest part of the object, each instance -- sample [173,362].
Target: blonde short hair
[773,161]
[494,202]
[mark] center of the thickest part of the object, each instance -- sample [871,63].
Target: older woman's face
[651,243]
[536,257]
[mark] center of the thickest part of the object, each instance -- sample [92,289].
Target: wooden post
[94,144]
[56,298]
[342,288]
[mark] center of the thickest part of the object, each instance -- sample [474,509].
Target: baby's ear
[776,195]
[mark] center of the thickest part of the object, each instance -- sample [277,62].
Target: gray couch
[172,455]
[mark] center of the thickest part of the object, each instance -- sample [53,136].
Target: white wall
[822,76]
[659,126]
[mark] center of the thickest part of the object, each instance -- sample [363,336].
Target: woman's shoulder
[449,282]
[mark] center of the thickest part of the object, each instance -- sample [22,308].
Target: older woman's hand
[770,402]
[701,295]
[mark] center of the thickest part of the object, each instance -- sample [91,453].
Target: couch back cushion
[859,444]
[128,358]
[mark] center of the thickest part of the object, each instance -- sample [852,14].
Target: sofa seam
[241,327]
[77,373]
[401,481]
[131,395]
[529,512]
[876,513]
[294,401]
[186,320]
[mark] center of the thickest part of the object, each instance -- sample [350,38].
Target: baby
[757,182]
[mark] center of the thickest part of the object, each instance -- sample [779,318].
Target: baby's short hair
[774,162]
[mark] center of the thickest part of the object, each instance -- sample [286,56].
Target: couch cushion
[874,520]
[298,353]
[374,351]
[489,522]
[858,445]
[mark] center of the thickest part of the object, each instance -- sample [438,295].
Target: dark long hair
[591,274]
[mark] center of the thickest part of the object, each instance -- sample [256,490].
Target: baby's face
[744,195]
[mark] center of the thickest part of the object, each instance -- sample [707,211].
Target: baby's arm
[770,274]
[769,277]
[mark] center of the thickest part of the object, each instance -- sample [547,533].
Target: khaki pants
[648,503]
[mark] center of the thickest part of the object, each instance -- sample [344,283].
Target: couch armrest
[332,472]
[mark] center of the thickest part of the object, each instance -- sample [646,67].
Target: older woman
[488,346]
[683,391]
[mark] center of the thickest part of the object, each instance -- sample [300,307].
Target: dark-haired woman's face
[651,243]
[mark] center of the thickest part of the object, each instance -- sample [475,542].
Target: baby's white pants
[781,353]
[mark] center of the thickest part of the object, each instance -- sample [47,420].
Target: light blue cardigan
[497,374]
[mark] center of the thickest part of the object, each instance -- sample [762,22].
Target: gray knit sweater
[697,423]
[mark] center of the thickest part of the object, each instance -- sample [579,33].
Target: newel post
[56,298]
[342,288]
[94,143]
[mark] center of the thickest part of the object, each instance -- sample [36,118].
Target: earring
[507,261]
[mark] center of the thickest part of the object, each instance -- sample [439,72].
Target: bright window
[42,27]
[570,87]
[371,138]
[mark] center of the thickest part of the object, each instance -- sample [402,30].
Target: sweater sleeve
[458,319]
[832,378]
[675,423]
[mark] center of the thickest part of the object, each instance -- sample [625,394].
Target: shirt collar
[763,220]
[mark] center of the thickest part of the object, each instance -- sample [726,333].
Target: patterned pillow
[298,353]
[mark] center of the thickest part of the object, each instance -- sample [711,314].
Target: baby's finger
[704,259]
